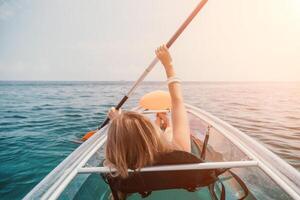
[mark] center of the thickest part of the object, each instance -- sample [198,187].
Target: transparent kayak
[265,174]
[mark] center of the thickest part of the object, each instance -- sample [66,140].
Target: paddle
[152,64]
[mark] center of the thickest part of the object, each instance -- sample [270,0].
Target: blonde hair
[133,142]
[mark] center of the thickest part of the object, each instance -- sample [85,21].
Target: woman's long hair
[133,142]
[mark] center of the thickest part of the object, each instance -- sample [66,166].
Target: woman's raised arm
[181,130]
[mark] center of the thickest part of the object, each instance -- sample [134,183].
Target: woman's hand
[164,56]
[162,120]
[113,113]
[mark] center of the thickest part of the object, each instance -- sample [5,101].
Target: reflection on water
[39,120]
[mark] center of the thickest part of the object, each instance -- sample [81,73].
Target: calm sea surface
[39,120]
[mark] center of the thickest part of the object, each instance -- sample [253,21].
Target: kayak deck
[78,176]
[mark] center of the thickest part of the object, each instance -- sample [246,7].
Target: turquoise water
[40,120]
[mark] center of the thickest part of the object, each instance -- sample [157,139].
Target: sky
[112,40]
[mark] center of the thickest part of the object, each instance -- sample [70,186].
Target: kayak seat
[146,182]
[191,180]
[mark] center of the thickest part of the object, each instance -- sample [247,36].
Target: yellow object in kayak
[156,100]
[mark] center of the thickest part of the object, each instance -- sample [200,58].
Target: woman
[134,141]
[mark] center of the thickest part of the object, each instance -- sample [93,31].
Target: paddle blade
[88,135]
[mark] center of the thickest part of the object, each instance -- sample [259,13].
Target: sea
[40,120]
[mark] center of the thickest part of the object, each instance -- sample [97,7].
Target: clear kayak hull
[265,174]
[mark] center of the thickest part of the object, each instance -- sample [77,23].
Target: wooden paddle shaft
[155,60]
